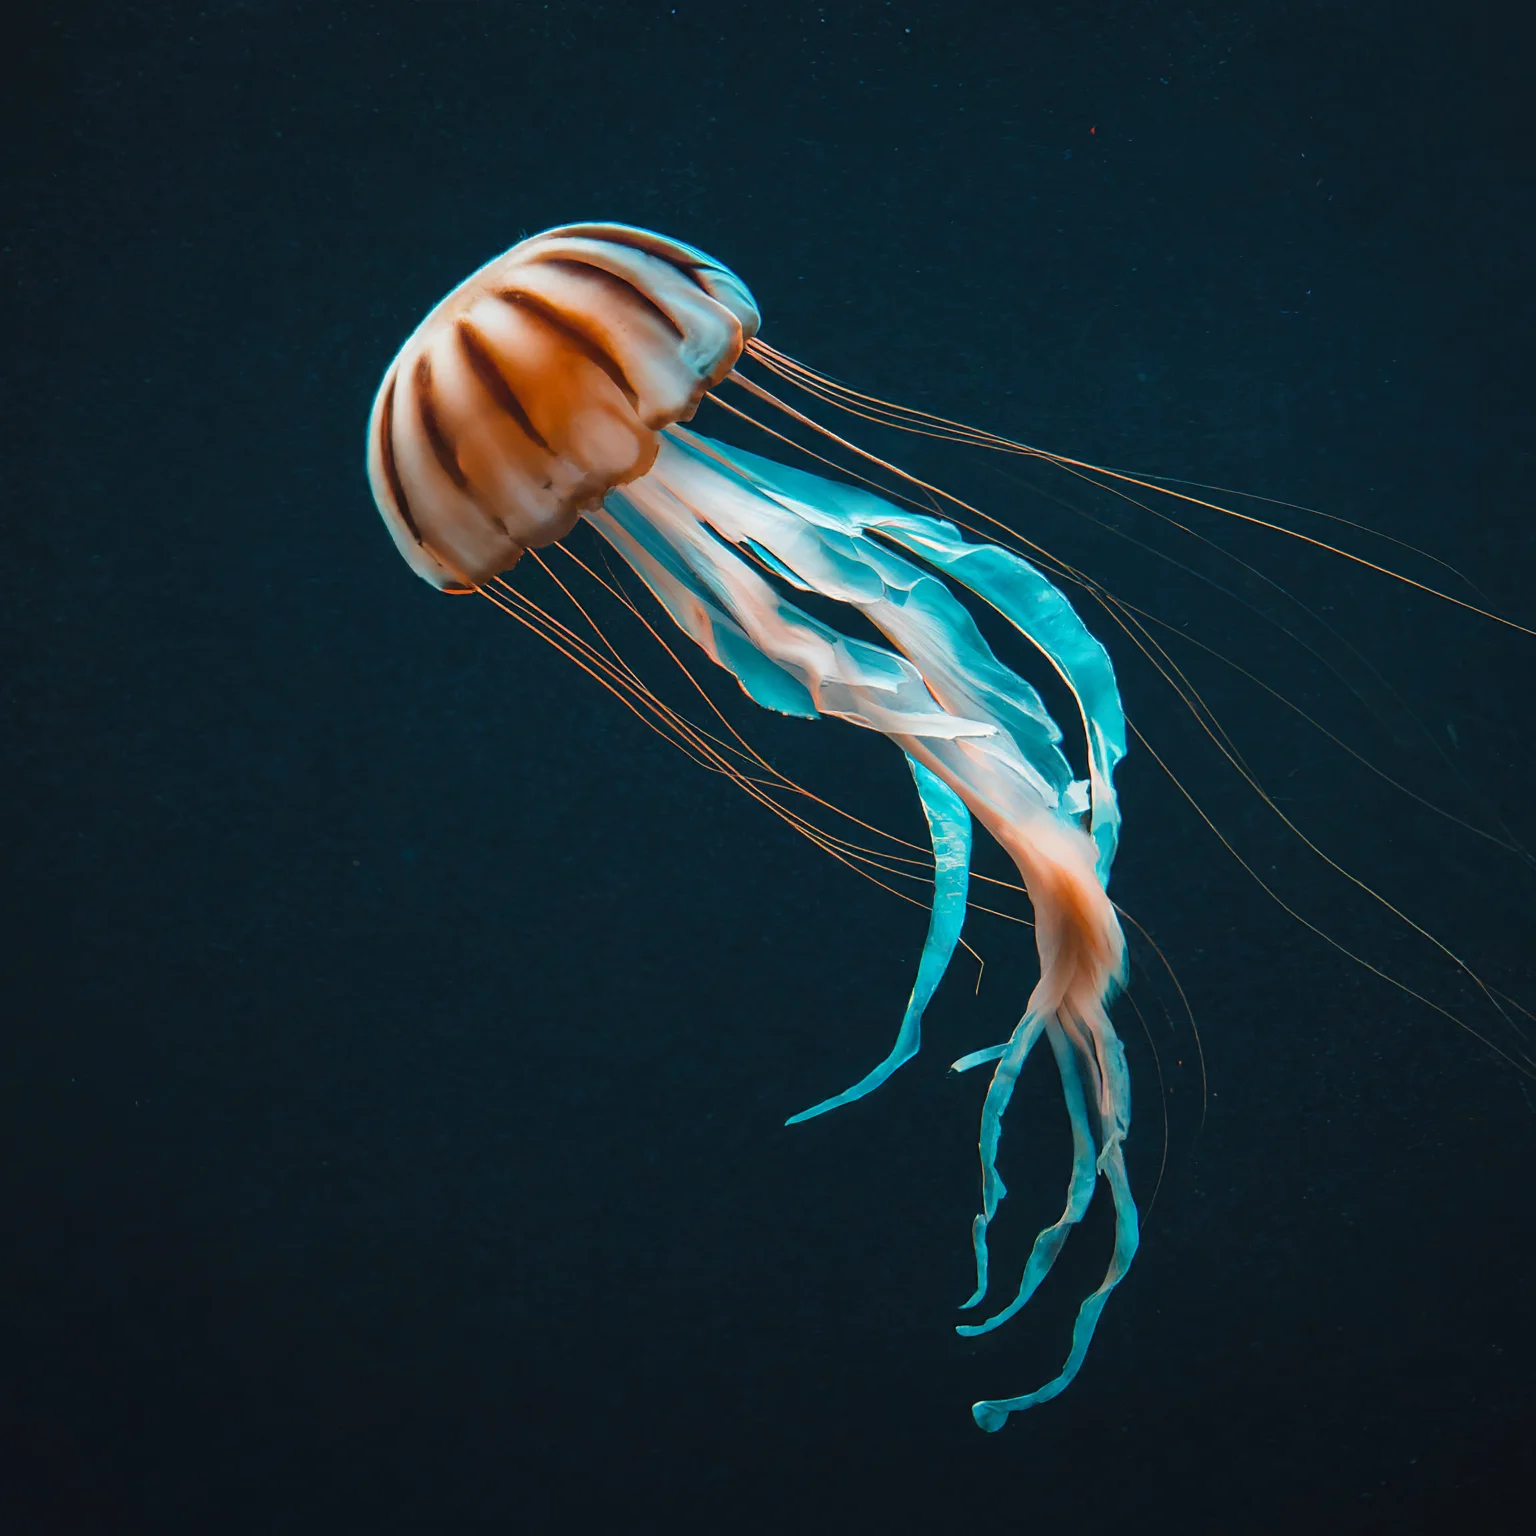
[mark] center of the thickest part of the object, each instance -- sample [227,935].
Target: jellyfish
[553,386]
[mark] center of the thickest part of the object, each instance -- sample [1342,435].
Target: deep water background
[397,1036]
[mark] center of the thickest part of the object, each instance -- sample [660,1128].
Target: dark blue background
[398,1036]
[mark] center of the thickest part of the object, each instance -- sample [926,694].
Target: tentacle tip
[989,1416]
[969,1330]
[811,1113]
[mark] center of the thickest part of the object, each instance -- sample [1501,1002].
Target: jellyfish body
[552,385]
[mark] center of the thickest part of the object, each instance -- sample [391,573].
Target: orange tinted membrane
[482,361]
[563,387]
[620,288]
[541,309]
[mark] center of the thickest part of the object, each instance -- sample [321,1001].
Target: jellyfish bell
[540,384]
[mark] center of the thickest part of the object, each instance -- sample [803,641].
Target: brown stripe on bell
[381,445]
[442,449]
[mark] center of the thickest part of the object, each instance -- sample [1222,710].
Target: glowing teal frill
[701,530]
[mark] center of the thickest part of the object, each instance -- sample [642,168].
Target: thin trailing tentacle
[949,825]
[1093,1154]
[1010,1060]
[992,1414]
[1049,1243]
